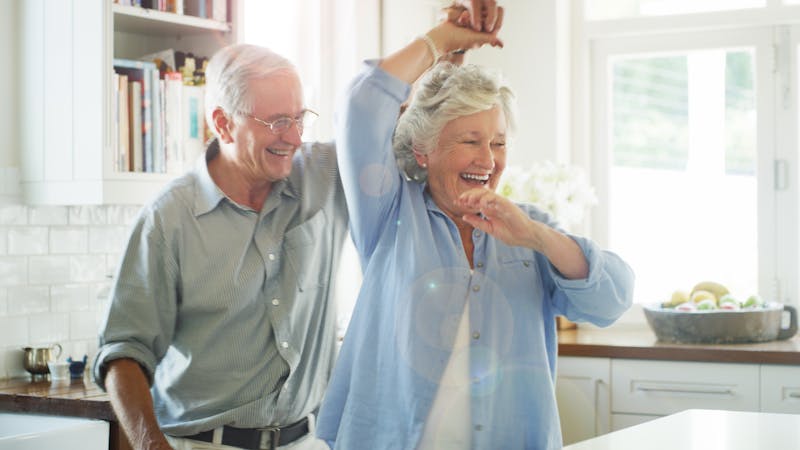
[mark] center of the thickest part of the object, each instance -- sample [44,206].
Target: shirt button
[476,288]
[476,335]
[478,427]
[480,264]
[526,263]
[276,302]
[477,233]
[285,344]
[271,257]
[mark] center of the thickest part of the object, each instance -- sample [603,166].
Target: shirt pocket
[307,259]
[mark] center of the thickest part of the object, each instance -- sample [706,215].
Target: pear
[711,286]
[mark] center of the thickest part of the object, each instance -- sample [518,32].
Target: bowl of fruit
[710,314]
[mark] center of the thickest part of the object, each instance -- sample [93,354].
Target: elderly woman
[452,344]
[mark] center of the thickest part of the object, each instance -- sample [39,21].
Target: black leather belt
[250,438]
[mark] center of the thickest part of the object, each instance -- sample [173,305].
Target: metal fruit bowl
[721,326]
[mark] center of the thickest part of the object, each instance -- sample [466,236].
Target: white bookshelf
[67,112]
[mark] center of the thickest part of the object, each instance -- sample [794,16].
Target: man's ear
[422,159]
[223,125]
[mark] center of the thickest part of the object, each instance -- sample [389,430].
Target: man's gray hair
[229,73]
[445,93]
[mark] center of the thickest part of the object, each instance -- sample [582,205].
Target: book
[142,72]
[219,10]
[193,118]
[123,125]
[135,113]
[157,144]
[173,124]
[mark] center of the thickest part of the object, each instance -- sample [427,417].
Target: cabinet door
[666,387]
[780,389]
[582,392]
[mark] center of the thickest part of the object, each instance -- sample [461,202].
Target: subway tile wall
[56,265]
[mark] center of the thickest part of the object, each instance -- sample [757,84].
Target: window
[617,9]
[694,147]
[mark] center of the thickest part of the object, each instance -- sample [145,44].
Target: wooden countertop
[74,398]
[639,342]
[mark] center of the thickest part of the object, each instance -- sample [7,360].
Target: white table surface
[697,429]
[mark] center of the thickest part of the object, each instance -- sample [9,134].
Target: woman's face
[471,154]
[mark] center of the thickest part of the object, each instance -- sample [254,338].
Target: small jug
[36,358]
[76,367]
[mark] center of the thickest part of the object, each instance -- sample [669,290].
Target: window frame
[774,34]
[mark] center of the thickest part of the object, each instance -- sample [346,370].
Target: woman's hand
[501,218]
[507,222]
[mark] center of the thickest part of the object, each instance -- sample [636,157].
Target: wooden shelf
[134,19]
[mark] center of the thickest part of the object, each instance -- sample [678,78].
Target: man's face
[262,155]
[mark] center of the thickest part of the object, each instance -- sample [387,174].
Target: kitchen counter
[73,398]
[639,342]
[696,429]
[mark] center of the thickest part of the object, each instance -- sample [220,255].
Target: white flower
[558,189]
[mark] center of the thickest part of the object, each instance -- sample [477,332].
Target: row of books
[207,9]
[159,121]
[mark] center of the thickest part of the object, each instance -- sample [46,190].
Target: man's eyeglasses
[304,120]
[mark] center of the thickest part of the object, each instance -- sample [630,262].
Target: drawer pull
[794,394]
[677,390]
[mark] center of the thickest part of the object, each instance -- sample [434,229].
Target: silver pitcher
[36,359]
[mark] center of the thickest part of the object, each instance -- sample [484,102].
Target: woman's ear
[222,125]
[422,159]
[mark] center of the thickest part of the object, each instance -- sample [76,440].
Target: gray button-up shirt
[228,310]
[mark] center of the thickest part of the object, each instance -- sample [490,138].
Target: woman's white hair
[230,71]
[445,93]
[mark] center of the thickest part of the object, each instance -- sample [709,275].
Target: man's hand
[483,14]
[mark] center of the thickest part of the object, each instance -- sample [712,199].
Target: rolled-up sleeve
[140,320]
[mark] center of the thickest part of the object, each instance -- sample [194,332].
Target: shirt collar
[210,195]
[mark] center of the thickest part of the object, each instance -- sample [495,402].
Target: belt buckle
[274,436]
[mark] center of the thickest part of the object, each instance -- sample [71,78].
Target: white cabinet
[599,395]
[66,100]
[780,389]
[582,391]
[666,387]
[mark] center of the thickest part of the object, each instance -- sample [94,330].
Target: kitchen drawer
[666,387]
[780,389]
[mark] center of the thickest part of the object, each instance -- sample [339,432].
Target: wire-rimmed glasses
[282,124]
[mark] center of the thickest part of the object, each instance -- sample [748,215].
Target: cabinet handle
[682,390]
[794,394]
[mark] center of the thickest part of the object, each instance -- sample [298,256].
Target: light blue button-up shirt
[417,281]
[229,310]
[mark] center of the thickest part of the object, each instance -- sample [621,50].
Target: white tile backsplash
[27,240]
[24,300]
[107,239]
[55,268]
[13,215]
[13,271]
[69,240]
[72,297]
[88,215]
[48,329]
[3,240]
[48,215]
[89,268]
[49,269]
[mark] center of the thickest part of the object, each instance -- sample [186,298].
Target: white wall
[535,60]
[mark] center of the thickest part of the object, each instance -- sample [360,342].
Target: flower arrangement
[559,189]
